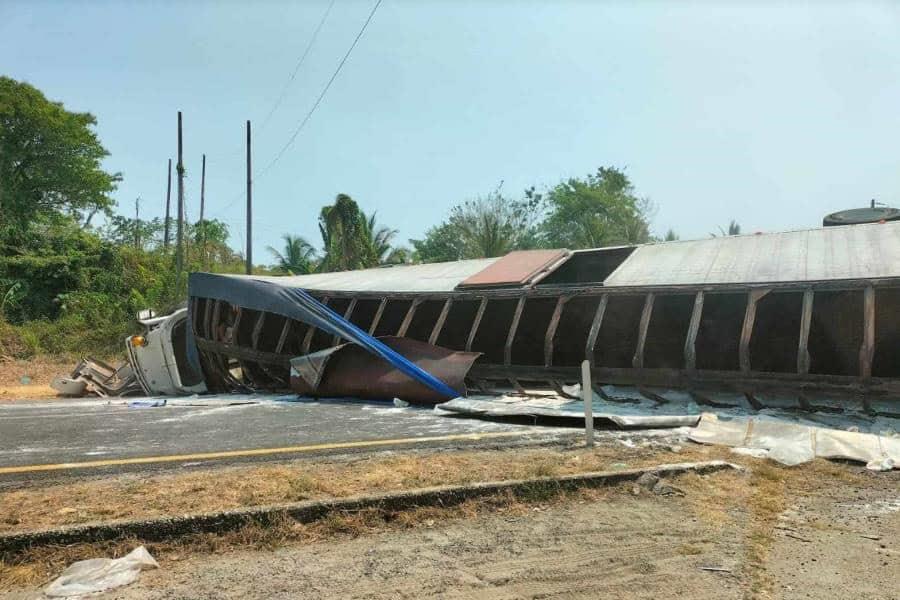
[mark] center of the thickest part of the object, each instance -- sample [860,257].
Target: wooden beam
[753,298]
[407,320]
[439,324]
[803,358]
[476,323]
[207,311]
[195,304]
[214,321]
[377,316]
[310,332]
[690,341]
[867,350]
[637,360]
[551,330]
[595,329]
[347,313]
[237,322]
[507,348]
[285,331]
[257,330]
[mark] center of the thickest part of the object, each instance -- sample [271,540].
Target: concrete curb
[167,528]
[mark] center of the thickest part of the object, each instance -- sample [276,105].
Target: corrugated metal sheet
[832,253]
[434,277]
[515,269]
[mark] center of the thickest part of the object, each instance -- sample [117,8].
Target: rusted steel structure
[808,310]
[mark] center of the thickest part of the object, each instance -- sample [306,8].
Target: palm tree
[297,258]
[351,239]
[342,226]
[378,238]
[734,228]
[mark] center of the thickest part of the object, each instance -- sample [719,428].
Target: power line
[324,91]
[300,62]
[318,101]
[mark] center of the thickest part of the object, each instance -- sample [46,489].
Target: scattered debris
[663,488]
[100,574]
[93,376]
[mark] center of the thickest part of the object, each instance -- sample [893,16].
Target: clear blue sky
[771,114]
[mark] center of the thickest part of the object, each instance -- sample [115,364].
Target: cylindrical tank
[856,216]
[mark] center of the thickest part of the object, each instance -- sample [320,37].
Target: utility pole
[168,203]
[202,206]
[179,242]
[137,223]
[249,209]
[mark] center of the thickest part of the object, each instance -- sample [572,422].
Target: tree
[378,240]
[341,228]
[734,228]
[671,236]
[599,210]
[297,258]
[440,244]
[487,226]
[49,160]
[140,233]
[399,256]
[350,239]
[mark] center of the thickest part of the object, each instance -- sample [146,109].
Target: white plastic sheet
[99,574]
[793,443]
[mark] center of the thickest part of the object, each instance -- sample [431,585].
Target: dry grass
[133,496]
[39,565]
[41,372]
[750,501]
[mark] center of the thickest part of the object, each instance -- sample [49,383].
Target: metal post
[137,223]
[168,203]
[179,242]
[587,394]
[249,209]
[202,207]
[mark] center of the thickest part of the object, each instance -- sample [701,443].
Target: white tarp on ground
[794,443]
[100,574]
[836,427]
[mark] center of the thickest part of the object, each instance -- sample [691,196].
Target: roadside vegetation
[74,272]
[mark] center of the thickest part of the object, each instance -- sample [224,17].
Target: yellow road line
[253,452]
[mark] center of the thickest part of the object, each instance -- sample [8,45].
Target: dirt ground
[725,538]
[39,372]
[822,530]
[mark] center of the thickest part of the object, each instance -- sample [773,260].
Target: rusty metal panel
[832,253]
[516,268]
[350,371]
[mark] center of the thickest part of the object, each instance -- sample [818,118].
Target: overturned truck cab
[159,356]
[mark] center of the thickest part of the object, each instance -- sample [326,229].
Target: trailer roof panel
[869,251]
[516,269]
[432,277]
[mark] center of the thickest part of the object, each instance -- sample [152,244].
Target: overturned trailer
[803,310]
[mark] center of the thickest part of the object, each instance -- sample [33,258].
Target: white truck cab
[159,356]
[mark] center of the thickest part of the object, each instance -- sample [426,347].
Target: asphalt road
[40,439]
